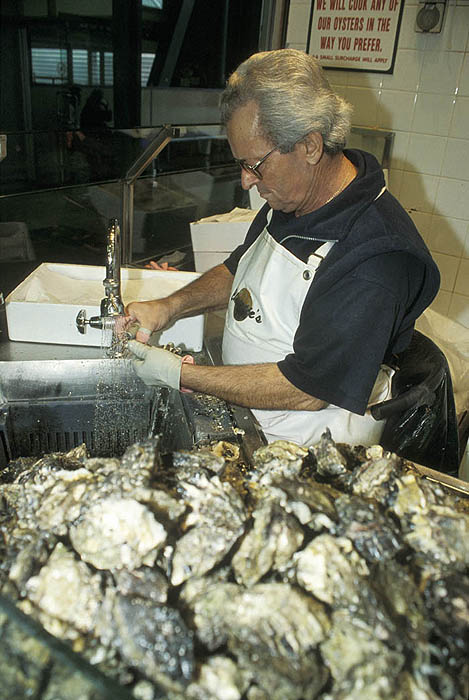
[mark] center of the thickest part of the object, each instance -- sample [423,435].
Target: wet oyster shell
[297,580]
[330,462]
[66,594]
[358,659]
[272,629]
[214,524]
[276,460]
[330,569]
[144,582]
[269,545]
[117,533]
[312,503]
[374,535]
[150,637]
[219,679]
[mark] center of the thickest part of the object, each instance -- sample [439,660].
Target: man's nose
[248,179]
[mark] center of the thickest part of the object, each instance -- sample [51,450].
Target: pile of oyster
[331,572]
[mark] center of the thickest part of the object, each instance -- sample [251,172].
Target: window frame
[105,68]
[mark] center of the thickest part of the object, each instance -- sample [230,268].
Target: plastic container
[215,237]
[44,307]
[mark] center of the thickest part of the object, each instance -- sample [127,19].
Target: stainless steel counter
[11,351]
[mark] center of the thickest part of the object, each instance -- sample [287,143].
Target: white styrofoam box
[215,237]
[15,242]
[205,260]
[218,235]
[44,307]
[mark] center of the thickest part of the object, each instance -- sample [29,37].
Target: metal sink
[49,406]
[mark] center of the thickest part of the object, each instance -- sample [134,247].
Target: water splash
[121,415]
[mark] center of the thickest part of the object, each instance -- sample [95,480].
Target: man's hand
[151,315]
[164,266]
[156,366]
[208,292]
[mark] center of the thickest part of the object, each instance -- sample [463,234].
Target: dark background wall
[196,44]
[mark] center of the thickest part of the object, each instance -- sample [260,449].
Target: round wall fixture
[430,17]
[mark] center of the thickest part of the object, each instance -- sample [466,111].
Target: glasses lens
[251,169]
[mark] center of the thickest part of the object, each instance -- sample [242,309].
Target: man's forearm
[209,292]
[260,386]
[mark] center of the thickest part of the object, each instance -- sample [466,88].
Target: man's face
[287,178]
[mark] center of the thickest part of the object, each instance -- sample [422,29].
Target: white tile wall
[440,72]
[456,160]
[462,278]
[464,81]
[432,113]
[465,253]
[426,103]
[452,198]
[447,235]
[423,222]
[448,266]
[426,153]
[460,121]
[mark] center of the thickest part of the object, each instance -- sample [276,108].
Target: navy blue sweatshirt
[367,293]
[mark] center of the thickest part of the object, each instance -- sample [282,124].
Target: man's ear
[314,146]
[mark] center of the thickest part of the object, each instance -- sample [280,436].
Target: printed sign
[355,34]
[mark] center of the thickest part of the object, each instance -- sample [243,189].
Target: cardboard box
[215,237]
[44,307]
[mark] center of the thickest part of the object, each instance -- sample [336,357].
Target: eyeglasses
[254,169]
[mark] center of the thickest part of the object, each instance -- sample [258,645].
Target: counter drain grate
[32,429]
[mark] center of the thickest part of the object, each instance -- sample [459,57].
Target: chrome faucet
[111,305]
[116,249]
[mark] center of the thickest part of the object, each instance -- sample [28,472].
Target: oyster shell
[330,569]
[66,594]
[324,574]
[278,459]
[272,629]
[270,544]
[150,637]
[117,533]
[362,665]
[330,462]
[311,503]
[219,679]
[376,477]
[144,582]
[211,528]
[375,536]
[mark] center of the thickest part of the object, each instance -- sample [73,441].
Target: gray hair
[293,96]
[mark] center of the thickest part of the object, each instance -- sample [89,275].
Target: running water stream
[120,416]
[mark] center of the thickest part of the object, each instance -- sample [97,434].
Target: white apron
[268,293]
